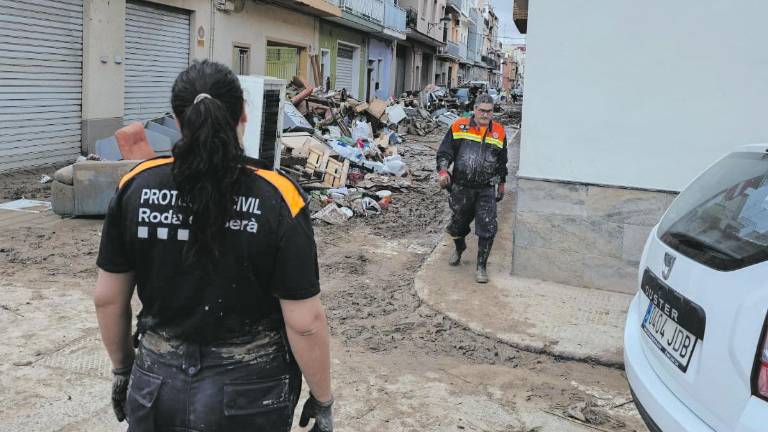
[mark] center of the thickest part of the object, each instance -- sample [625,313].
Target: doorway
[348,68]
[325,68]
[400,68]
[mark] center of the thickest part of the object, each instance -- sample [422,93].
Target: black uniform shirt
[268,254]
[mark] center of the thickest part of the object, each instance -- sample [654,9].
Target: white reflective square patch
[162,233]
[183,234]
[143,232]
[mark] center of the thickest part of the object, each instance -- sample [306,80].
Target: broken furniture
[90,187]
[86,187]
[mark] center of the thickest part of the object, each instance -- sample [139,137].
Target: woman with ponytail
[222,255]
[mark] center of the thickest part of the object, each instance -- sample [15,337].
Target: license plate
[672,322]
[675,342]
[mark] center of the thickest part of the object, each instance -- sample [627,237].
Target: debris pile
[344,152]
[512,117]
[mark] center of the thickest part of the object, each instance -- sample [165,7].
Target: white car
[695,348]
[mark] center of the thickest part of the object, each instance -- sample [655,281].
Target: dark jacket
[478,154]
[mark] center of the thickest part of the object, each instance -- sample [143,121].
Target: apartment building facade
[416,56]
[74,71]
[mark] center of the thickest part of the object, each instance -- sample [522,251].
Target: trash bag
[366,206]
[394,165]
[362,130]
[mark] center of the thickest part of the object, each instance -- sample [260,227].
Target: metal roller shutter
[344,70]
[156,50]
[41,77]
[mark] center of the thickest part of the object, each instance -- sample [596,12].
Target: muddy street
[398,365]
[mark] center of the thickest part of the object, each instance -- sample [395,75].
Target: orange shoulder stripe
[142,167]
[458,122]
[287,189]
[499,129]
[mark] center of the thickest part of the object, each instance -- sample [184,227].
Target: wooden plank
[333,173]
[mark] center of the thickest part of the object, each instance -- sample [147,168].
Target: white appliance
[264,98]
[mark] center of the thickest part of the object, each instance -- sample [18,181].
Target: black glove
[322,412]
[120,379]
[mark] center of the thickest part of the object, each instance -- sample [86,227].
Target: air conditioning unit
[235,6]
[264,98]
[225,5]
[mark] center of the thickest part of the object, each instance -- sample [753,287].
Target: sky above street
[507,31]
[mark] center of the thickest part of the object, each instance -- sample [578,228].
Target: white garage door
[156,50]
[345,69]
[40,81]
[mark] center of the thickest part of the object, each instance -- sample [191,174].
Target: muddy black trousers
[248,385]
[467,204]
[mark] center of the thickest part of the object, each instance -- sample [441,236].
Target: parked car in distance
[494,94]
[463,97]
[480,84]
[695,340]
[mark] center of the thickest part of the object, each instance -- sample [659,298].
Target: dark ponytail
[208,158]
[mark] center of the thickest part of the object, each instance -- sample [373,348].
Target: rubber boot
[484,246]
[461,245]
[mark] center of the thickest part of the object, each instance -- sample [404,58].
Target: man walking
[477,148]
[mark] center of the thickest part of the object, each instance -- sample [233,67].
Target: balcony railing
[454,50]
[520,15]
[461,5]
[490,61]
[411,18]
[394,17]
[455,3]
[457,50]
[520,10]
[369,10]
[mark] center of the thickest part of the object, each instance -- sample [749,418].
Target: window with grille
[241,59]
[282,62]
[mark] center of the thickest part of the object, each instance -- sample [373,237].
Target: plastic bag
[362,130]
[394,165]
[366,206]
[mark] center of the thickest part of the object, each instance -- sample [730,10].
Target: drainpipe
[213,29]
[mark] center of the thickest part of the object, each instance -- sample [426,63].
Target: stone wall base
[584,235]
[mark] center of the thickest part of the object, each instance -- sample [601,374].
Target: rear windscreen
[721,219]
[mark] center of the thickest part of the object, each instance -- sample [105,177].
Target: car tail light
[760,371]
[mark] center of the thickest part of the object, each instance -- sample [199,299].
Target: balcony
[520,15]
[422,31]
[453,51]
[322,8]
[490,62]
[369,10]
[462,6]
[462,51]
[456,4]
[394,18]
[411,18]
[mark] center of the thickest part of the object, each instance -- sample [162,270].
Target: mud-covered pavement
[397,365]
